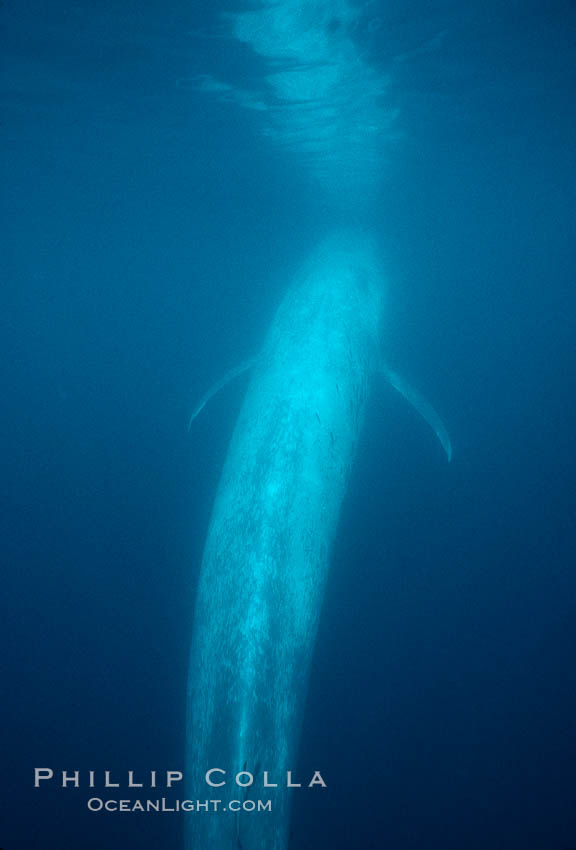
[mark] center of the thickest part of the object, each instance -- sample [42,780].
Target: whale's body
[273,525]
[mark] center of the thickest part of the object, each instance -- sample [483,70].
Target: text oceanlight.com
[97,804]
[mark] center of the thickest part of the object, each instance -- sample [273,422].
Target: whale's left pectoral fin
[229,376]
[423,407]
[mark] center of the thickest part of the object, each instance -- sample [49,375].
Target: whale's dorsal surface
[271,535]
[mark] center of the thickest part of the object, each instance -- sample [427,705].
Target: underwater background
[149,232]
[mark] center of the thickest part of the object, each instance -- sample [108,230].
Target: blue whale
[271,533]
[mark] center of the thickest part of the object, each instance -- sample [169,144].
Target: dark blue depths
[148,235]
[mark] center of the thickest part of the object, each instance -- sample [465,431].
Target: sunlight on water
[322,98]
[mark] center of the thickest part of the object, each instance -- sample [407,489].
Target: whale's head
[345,274]
[334,308]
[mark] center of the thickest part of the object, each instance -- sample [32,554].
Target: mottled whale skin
[268,549]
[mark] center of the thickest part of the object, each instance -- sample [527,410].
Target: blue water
[149,231]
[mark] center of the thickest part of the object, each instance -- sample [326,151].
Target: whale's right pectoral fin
[423,407]
[229,376]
